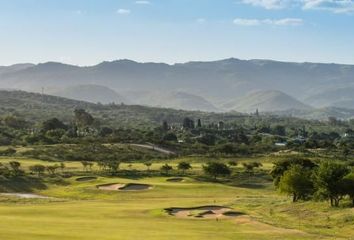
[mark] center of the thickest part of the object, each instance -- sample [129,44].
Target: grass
[81,211]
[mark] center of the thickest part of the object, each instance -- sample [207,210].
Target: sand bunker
[125,187]
[177,179]
[24,195]
[215,212]
[84,179]
[135,187]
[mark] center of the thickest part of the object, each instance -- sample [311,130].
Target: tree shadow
[22,184]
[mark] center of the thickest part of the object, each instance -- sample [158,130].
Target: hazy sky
[86,32]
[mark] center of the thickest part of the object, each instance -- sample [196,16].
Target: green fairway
[89,213]
[79,210]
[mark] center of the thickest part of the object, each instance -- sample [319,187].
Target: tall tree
[297,181]
[165,126]
[199,123]
[328,180]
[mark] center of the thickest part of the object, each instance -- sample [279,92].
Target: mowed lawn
[81,211]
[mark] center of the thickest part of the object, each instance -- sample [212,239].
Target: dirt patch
[124,187]
[85,179]
[24,195]
[175,179]
[215,212]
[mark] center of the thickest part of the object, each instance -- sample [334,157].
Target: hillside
[218,81]
[38,107]
[338,97]
[319,114]
[91,93]
[176,100]
[265,101]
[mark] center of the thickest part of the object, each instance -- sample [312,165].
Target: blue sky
[86,32]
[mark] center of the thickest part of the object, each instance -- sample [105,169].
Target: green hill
[266,101]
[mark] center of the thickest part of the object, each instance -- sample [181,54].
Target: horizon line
[176,63]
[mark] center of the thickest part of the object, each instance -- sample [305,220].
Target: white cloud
[143,2]
[247,22]
[336,6]
[123,11]
[274,22]
[288,22]
[268,4]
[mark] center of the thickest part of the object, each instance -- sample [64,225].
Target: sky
[86,32]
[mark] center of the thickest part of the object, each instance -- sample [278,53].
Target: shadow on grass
[136,174]
[250,185]
[23,184]
[241,180]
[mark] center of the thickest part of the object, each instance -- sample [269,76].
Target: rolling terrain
[266,101]
[38,107]
[204,86]
[75,207]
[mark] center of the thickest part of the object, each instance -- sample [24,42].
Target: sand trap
[84,179]
[24,195]
[125,187]
[215,212]
[111,187]
[175,179]
[135,187]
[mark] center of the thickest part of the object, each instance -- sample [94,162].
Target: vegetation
[234,160]
[216,169]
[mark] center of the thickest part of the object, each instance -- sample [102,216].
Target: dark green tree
[38,168]
[52,169]
[348,186]
[328,180]
[216,169]
[188,123]
[15,168]
[199,123]
[279,167]
[53,124]
[184,166]
[297,181]
[166,168]
[113,166]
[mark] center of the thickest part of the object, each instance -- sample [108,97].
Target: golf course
[139,204]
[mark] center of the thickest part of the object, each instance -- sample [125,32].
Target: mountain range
[216,86]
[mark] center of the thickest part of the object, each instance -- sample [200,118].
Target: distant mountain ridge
[210,83]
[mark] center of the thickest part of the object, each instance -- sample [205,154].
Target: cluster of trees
[39,169]
[12,169]
[224,135]
[92,152]
[305,180]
